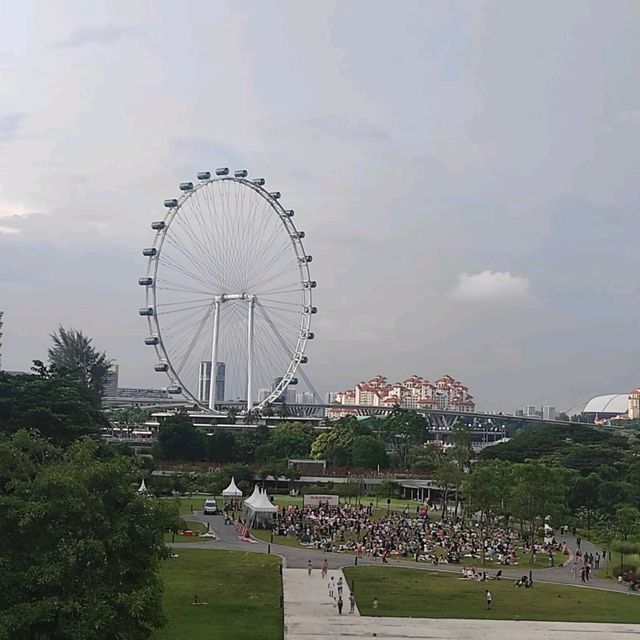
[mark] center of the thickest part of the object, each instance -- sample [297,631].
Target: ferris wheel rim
[304,278]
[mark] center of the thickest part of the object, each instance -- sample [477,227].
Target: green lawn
[606,572]
[197,528]
[427,594]
[242,591]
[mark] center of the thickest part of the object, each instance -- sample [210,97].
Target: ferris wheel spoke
[177,268]
[205,236]
[263,263]
[192,259]
[196,338]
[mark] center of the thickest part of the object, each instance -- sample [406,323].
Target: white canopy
[143,487]
[232,490]
[262,504]
[254,496]
[260,511]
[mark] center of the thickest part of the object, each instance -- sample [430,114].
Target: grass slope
[425,594]
[242,591]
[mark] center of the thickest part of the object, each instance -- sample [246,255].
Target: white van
[210,507]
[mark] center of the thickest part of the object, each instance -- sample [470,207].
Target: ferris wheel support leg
[214,354]
[252,306]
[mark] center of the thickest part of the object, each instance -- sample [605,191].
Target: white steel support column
[214,353]
[252,305]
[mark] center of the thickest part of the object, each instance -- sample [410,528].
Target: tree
[73,354]
[54,405]
[368,452]
[487,489]
[448,476]
[335,446]
[460,453]
[81,548]
[627,520]
[289,440]
[538,490]
[178,439]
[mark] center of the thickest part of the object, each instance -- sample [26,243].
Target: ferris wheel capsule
[204,175]
[158,226]
[241,173]
[259,182]
[276,195]
[186,186]
[170,203]
[223,171]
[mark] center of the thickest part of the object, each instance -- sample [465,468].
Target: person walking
[578,541]
[375,605]
[488,598]
[325,568]
[339,587]
[309,567]
[352,603]
[340,605]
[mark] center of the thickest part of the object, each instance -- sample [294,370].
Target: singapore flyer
[228,292]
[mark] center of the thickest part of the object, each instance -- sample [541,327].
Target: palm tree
[73,354]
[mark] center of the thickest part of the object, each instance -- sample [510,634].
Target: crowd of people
[408,534]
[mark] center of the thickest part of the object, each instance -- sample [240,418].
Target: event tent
[143,487]
[253,496]
[260,511]
[232,490]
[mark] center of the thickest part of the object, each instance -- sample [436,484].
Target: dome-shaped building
[608,406]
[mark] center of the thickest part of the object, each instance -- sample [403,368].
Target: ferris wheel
[228,292]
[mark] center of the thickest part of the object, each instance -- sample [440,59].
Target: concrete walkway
[309,612]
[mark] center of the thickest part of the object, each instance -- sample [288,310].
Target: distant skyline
[466,174]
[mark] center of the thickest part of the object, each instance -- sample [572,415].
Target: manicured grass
[606,572]
[198,529]
[242,591]
[427,594]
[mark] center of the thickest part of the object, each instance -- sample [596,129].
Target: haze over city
[466,175]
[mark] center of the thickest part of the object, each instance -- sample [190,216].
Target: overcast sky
[466,172]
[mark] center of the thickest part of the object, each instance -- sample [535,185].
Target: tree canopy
[54,405]
[80,548]
[73,354]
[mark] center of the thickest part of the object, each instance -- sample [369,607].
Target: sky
[466,174]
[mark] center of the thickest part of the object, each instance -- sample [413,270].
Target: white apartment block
[446,394]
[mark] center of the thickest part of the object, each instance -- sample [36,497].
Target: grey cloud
[10,125]
[100,35]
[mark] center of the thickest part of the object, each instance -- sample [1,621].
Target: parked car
[210,507]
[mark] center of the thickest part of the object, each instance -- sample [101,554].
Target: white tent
[232,490]
[259,511]
[254,496]
[143,487]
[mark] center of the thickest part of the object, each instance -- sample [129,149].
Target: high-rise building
[529,411]
[548,413]
[204,381]
[304,397]
[111,381]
